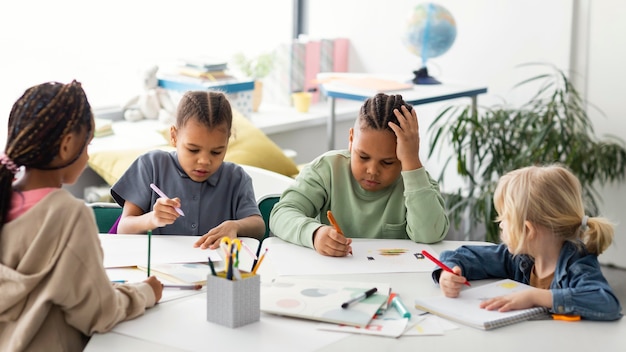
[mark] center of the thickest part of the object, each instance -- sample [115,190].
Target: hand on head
[327,241]
[164,211]
[451,284]
[408,139]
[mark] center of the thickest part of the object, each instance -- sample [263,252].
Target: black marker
[360,297]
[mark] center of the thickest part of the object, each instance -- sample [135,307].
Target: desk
[420,94]
[184,319]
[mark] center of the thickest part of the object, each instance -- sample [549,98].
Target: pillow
[248,145]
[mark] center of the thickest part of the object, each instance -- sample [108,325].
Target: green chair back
[106,215]
[266,204]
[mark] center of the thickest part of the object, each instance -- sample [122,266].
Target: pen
[250,251]
[119,281]
[149,242]
[360,297]
[440,264]
[229,267]
[258,263]
[399,306]
[333,222]
[162,195]
[183,287]
[212,267]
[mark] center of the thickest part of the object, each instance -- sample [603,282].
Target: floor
[617,279]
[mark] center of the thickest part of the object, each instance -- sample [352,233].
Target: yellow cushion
[248,145]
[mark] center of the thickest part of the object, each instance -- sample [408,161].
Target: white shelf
[273,119]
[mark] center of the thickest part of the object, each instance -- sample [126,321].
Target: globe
[430,32]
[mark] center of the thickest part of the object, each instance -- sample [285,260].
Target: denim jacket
[578,286]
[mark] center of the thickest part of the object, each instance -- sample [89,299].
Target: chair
[266,182]
[266,204]
[107,215]
[268,186]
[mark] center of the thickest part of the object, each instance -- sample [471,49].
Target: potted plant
[553,126]
[255,68]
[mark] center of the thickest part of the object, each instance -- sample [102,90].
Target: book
[103,127]
[312,68]
[182,273]
[363,85]
[341,50]
[200,73]
[466,310]
[206,63]
[321,300]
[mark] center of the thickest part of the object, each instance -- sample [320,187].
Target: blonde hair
[551,197]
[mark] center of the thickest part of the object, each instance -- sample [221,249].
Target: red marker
[441,265]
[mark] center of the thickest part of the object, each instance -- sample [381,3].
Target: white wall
[606,88]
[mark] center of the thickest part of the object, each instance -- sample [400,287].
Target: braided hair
[377,111]
[39,120]
[210,108]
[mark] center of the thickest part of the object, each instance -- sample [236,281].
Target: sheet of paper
[377,327]
[321,300]
[429,325]
[369,256]
[132,250]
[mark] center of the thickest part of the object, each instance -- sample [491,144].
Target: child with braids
[378,188]
[54,290]
[547,242]
[216,197]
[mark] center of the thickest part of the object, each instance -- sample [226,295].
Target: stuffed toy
[154,103]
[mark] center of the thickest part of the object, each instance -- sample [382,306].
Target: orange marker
[258,263]
[333,222]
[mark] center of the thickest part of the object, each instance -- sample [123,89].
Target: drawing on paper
[321,300]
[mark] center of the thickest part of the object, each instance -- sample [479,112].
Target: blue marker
[399,306]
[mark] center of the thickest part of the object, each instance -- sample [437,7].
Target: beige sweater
[54,291]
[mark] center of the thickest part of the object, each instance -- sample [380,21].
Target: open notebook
[465,309]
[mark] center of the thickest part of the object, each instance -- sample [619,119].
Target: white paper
[132,250]
[377,327]
[369,256]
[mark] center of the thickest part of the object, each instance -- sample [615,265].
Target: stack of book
[209,68]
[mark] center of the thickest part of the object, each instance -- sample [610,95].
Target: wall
[606,87]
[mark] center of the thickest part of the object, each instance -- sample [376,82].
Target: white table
[184,322]
[420,94]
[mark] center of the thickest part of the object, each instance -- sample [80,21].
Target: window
[105,45]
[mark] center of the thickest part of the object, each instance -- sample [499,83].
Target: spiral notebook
[466,310]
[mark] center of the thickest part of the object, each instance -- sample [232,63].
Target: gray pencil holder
[233,303]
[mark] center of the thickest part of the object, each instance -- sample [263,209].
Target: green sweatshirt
[412,207]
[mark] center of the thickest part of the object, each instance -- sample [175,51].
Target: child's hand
[408,138]
[212,238]
[156,285]
[327,241]
[164,212]
[451,284]
[514,301]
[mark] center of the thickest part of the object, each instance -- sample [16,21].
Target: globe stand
[422,77]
